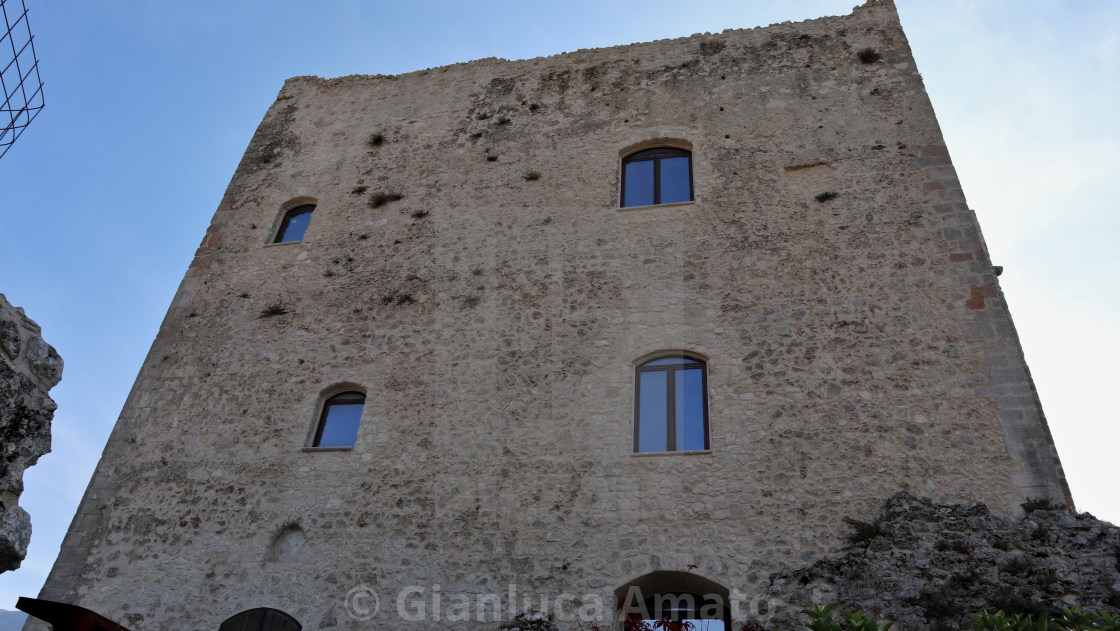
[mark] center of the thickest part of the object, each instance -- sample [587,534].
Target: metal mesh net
[19,74]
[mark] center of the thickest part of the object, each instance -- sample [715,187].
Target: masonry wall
[856,347]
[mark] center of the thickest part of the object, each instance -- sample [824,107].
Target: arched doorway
[261,619]
[674,596]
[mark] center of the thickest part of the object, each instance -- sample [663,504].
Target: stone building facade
[468,269]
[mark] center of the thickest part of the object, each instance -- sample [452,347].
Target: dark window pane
[639,184]
[668,361]
[690,409]
[675,185]
[653,429]
[295,224]
[340,425]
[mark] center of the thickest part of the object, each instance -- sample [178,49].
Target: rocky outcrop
[29,368]
[930,566]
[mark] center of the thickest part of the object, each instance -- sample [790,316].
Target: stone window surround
[659,354]
[673,142]
[278,221]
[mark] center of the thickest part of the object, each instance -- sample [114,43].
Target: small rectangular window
[295,223]
[656,176]
[675,180]
[338,425]
[653,428]
[639,183]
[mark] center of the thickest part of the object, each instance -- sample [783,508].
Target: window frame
[286,220]
[689,361]
[324,410]
[656,154]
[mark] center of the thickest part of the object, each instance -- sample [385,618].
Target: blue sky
[151,104]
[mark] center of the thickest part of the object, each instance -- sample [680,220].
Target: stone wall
[29,368]
[856,346]
[929,566]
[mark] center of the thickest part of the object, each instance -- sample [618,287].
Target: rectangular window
[671,409]
[653,432]
[639,183]
[338,425]
[675,180]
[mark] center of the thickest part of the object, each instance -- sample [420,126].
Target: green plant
[491,158]
[380,199]
[477,271]
[825,196]
[329,273]
[531,176]
[859,621]
[1041,503]
[863,530]
[1000,621]
[533,107]
[820,618]
[868,55]
[243,294]
[376,140]
[482,116]
[470,302]
[363,237]
[273,309]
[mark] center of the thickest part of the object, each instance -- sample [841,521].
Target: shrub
[1041,503]
[274,309]
[863,530]
[868,55]
[380,199]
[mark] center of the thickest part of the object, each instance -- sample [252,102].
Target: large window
[295,223]
[338,424]
[656,176]
[671,405]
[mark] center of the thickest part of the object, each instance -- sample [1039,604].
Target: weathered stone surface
[929,566]
[856,340]
[29,368]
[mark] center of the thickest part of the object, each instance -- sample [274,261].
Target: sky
[149,106]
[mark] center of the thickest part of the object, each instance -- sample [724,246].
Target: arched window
[656,176]
[674,596]
[671,405]
[338,424]
[261,619]
[294,224]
